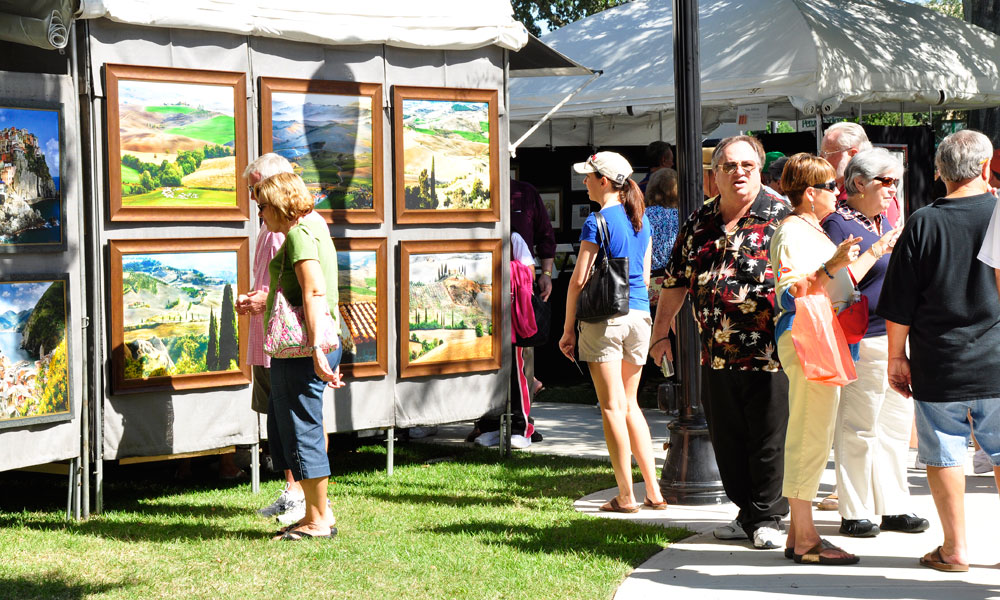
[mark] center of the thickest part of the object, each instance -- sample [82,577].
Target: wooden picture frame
[171,129]
[161,274]
[35,382]
[426,119]
[366,321]
[329,141]
[456,268]
[32,130]
[552,199]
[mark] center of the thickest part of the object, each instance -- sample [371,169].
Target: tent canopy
[428,24]
[800,57]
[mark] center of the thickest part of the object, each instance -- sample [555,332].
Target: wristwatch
[547,273]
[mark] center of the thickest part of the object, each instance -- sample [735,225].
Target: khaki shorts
[621,338]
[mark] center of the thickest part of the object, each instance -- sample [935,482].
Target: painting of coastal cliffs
[34,357]
[31,206]
[177,313]
[177,143]
[331,132]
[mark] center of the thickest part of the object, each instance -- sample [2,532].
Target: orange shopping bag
[820,343]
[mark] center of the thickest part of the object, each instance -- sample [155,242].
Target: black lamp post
[690,474]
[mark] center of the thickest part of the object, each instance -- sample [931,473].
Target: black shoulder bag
[605,295]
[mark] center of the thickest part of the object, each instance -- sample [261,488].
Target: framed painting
[579,215]
[173,316]
[34,350]
[446,155]
[362,297]
[449,313]
[177,144]
[331,132]
[33,217]
[552,199]
[900,152]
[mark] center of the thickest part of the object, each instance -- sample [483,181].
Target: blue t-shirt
[624,241]
[840,225]
[665,225]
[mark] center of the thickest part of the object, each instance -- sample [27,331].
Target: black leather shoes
[858,528]
[905,523]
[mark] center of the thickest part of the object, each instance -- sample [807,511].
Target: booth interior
[129,146]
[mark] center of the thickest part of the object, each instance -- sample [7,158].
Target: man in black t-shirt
[937,294]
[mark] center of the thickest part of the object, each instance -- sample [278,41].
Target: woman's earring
[812,205]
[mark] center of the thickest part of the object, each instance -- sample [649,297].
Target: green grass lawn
[220,129]
[451,523]
[205,198]
[184,110]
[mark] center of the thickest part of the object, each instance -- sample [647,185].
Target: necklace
[819,229]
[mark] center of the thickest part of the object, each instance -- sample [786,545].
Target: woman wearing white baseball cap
[615,349]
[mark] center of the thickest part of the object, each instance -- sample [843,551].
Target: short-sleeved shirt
[664,222]
[308,240]
[731,283]
[624,241]
[846,222]
[949,300]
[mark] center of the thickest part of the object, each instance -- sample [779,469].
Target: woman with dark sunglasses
[806,261]
[871,439]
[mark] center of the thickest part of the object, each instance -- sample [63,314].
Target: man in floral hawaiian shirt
[721,258]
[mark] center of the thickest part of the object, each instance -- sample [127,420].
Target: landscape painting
[451,322]
[447,163]
[177,143]
[173,311]
[31,205]
[331,132]
[362,303]
[34,355]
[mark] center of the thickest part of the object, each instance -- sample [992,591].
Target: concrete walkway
[705,568]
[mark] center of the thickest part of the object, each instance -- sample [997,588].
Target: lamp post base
[690,474]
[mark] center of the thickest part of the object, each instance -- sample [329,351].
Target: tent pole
[819,130]
[861,110]
[659,115]
[513,147]
[390,446]
[900,114]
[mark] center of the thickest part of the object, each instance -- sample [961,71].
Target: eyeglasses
[261,206]
[730,168]
[886,181]
[826,153]
[830,186]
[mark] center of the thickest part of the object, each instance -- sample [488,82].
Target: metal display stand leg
[255,467]
[506,425]
[390,446]
[72,495]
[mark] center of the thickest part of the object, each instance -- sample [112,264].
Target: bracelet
[827,271]
[876,253]
[666,337]
[547,273]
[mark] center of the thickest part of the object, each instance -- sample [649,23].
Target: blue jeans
[295,417]
[943,430]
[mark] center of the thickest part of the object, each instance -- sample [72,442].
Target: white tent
[800,57]
[437,24]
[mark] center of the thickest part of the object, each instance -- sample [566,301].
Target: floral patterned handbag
[286,330]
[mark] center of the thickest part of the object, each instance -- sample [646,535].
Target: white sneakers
[730,531]
[489,439]
[768,538]
[519,441]
[284,503]
[298,512]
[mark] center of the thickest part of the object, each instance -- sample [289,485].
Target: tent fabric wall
[170,422]
[434,24]
[49,442]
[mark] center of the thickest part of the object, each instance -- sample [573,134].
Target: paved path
[705,568]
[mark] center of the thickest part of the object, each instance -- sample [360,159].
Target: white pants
[871,441]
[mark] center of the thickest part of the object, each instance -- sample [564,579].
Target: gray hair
[268,165]
[961,155]
[868,165]
[849,135]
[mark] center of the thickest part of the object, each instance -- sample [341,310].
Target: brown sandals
[934,560]
[614,506]
[813,556]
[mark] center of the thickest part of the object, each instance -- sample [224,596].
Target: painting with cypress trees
[176,312]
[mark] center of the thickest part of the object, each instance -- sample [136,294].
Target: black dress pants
[747,413]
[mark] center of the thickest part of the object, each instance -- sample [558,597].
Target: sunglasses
[830,186]
[886,181]
[731,167]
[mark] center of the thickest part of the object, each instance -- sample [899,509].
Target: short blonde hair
[802,171]
[286,194]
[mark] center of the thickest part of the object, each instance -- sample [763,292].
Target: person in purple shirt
[873,421]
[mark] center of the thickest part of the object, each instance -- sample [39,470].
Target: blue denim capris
[295,417]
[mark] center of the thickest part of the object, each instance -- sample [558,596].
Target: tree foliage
[952,8]
[229,348]
[553,14]
[212,356]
